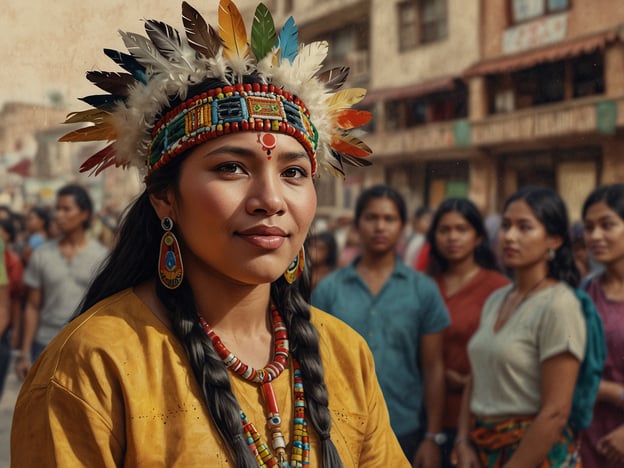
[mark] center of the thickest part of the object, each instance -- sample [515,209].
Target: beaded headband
[294,95]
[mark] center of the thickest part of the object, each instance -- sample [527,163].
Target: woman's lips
[264,237]
[264,242]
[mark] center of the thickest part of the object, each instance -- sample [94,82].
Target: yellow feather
[105,131]
[92,115]
[345,98]
[232,30]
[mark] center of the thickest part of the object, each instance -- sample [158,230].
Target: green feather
[263,34]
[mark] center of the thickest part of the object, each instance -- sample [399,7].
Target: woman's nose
[266,196]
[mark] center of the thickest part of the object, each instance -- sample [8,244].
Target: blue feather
[128,63]
[288,40]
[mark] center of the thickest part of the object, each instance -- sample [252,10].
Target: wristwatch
[439,438]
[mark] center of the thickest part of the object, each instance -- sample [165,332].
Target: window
[588,75]
[351,37]
[421,22]
[433,22]
[547,83]
[437,107]
[408,25]
[525,10]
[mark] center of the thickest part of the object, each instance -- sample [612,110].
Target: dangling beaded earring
[296,267]
[170,269]
[550,255]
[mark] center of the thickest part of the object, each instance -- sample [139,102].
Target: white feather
[309,60]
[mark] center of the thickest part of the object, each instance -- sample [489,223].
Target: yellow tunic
[115,388]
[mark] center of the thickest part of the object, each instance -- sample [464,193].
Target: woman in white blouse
[526,354]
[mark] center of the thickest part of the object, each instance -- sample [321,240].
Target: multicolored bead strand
[272,370]
[300,450]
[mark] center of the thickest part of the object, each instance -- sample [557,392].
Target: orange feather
[351,145]
[351,118]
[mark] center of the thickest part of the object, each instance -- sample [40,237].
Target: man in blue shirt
[401,315]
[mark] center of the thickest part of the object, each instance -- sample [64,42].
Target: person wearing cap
[196,344]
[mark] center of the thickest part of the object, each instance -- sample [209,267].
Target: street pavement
[11,389]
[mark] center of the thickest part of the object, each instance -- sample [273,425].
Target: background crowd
[419,290]
[49,256]
[512,285]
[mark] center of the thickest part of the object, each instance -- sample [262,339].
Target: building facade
[547,99]
[477,98]
[34,164]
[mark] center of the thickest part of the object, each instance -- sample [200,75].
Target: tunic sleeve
[53,427]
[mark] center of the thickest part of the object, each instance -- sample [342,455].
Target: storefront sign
[537,33]
[554,123]
[606,117]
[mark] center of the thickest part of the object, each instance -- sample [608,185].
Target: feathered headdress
[294,96]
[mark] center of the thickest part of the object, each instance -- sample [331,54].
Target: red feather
[351,118]
[102,157]
[351,145]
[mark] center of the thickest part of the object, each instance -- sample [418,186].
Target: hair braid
[210,372]
[304,345]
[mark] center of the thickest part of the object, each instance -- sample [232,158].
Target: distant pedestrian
[602,444]
[417,235]
[58,274]
[37,230]
[401,315]
[464,268]
[322,252]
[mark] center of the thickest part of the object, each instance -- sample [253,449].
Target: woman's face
[68,215]
[380,226]
[33,222]
[318,252]
[524,239]
[242,213]
[455,237]
[604,233]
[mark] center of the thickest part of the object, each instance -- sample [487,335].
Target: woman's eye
[230,168]
[294,172]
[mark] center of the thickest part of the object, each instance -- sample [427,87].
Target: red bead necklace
[272,370]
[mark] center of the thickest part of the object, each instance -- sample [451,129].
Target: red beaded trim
[210,129]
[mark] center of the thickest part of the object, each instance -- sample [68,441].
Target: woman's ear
[554,242]
[163,204]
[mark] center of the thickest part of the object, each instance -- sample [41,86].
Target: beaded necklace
[300,451]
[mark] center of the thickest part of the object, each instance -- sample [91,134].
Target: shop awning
[552,53]
[21,168]
[437,85]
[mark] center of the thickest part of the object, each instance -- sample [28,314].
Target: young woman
[37,226]
[526,354]
[196,344]
[464,268]
[401,315]
[602,444]
[323,254]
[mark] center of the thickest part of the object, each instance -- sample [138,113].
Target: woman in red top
[464,268]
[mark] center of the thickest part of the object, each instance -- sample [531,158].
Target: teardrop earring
[170,268]
[295,269]
[550,255]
